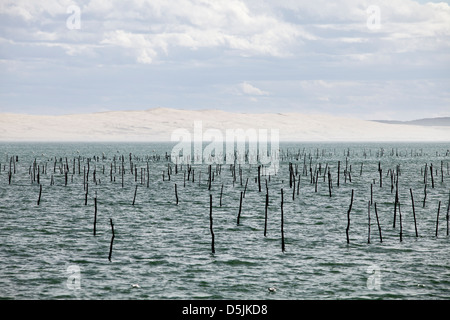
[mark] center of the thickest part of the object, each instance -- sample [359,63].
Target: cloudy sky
[386,59]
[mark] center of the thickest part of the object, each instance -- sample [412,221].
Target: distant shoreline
[440,122]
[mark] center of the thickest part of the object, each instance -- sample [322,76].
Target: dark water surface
[162,250]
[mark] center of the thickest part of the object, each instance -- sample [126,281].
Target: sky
[362,59]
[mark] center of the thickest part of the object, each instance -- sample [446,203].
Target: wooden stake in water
[447,216]
[135,191]
[329,182]
[395,206]
[339,172]
[414,211]
[378,222]
[381,174]
[282,222]
[400,220]
[211,224]
[371,193]
[368,222]
[293,190]
[425,195]
[432,179]
[209,180]
[348,218]
[86,194]
[240,208]
[265,214]
[437,219]
[40,192]
[245,189]
[112,240]
[95,213]
[259,178]
[176,193]
[221,191]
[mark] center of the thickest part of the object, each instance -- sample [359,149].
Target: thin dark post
[381,175]
[265,216]
[209,180]
[245,188]
[221,191]
[282,223]
[425,175]
[432,179]
[176,193]
[134,198]
[86,194]
[40,192]
[317,178]
[414,211]
[259,178]
[211,224]
[339,172]
[395,206]
[95,213]
[425,195]
[371,193]
[378,222]
[112,239]
[240,208]
[329,182]
[348,218]
[437,219]
[400,220]
[368,216]
[293,190]
[148,175]
[448,208]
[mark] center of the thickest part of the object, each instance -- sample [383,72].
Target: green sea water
[162,250]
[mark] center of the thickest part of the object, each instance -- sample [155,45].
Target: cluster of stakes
[301,164]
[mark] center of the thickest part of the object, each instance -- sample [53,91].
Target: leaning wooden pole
[112,240]
[40,193]
[414,212]
[378,222]
[134,197]
[240,209]
[437,218]
[348,218]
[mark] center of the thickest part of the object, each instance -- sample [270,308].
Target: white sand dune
[158,124]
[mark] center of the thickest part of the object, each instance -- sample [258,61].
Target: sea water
[162,250]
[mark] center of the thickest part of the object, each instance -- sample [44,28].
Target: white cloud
[190,51]
[249,89]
